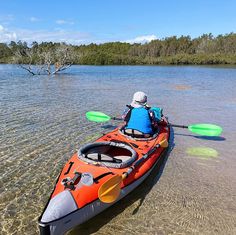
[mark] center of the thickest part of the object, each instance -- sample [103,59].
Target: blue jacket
[140,120]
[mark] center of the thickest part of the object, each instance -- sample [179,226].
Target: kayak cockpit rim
[109,153]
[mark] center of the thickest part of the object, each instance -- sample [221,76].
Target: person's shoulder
[148,107]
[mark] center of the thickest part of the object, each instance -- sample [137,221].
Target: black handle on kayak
[75,178]
[68,170]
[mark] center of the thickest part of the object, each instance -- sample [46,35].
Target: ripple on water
[182,87]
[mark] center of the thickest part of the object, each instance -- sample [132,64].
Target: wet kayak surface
[42,123]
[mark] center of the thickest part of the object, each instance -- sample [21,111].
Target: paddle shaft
[101,117]
[162,124]
[174,125]
[200,129]
[118,119]
[169,124]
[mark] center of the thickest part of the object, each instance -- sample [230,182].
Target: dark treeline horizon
[205,49]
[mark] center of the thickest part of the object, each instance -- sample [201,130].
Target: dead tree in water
[26,64]
[45,61]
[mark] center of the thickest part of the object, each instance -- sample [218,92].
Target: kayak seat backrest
[110,154]
[139,135]
[136,133]
[123,158]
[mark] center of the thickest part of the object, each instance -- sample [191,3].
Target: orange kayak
[87,184]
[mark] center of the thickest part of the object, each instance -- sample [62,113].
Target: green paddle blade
[206,129]
[97,116]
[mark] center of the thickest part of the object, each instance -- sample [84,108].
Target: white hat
[139,99]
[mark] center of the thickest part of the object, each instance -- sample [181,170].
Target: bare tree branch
[18,59]
[49,61]
[27,69]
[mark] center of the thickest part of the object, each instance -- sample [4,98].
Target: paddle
[95,116]
[110,190]
[200,129]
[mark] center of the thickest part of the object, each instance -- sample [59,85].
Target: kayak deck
[74,201]
[83,194]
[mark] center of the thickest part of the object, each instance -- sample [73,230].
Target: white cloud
[6,35]
[59,35]
[7,18]
[142,39]
[70,37]
[64,22]
[34,19]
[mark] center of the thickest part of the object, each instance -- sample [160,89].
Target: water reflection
[202,152]
[182,87]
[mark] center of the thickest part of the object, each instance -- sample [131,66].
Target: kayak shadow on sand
[140,193]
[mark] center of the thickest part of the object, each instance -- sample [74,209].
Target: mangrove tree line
[205,49]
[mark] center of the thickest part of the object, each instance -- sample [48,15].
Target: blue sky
[99,21]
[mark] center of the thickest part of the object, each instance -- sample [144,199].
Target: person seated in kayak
[139,119]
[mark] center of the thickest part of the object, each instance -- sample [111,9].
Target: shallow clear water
[42,123]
